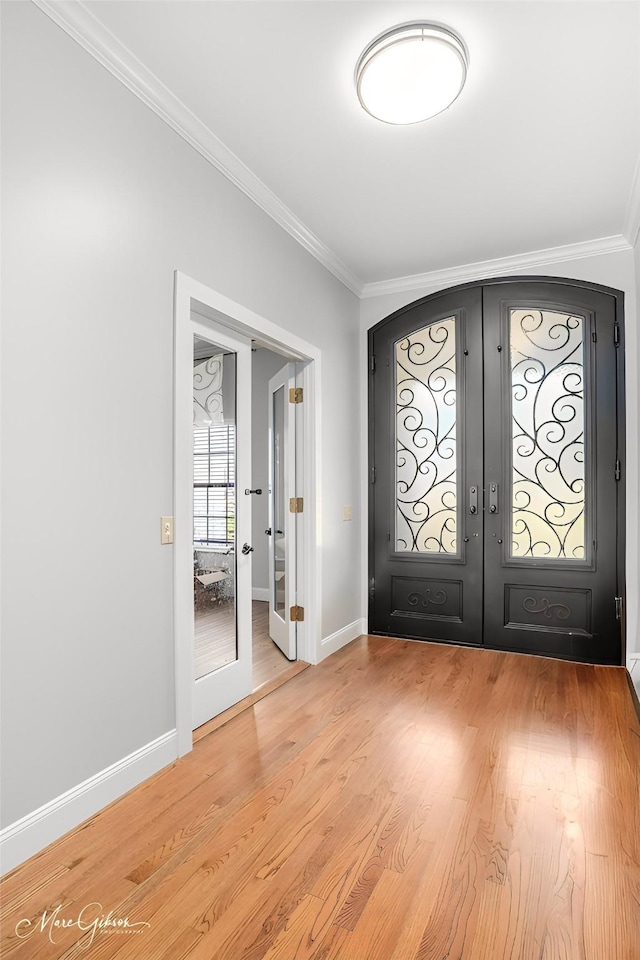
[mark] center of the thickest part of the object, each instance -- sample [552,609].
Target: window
[214,485]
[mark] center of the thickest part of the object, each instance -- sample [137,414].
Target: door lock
[473,500]
[493,498]
[246,549]
[268,531]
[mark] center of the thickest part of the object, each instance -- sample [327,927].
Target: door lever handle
[246,549]
[493,498]
[473,500]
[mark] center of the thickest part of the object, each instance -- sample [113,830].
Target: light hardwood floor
[401,801]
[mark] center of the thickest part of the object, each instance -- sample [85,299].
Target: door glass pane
[547,428]
[279,505]
[214,506]
[426,463]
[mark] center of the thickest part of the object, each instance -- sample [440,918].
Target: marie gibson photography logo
[91,920]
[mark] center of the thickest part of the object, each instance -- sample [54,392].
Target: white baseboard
[342,637]
[30,834]
[260,593]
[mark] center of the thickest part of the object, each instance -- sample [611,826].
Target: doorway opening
[231,458]
[273,535]
[497,469]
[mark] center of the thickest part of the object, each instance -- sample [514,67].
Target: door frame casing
[192,298]
[619,298]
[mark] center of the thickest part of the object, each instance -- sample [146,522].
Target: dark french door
[496,449]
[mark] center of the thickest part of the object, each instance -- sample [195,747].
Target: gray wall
[102,202]
[264,364]
[633,488]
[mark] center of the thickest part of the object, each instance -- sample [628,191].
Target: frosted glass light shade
[411,73]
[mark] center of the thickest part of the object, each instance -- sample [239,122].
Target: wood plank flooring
[401,801]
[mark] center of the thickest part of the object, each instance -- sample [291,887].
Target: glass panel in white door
[221,521]
[282,519]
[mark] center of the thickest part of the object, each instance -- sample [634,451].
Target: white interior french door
[221,520]
[205,312]
[282,513]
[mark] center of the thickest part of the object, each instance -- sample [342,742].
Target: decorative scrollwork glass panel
[548,429]
[426,461]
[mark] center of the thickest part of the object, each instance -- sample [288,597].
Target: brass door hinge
[296,505]
[296,614]
[295,395]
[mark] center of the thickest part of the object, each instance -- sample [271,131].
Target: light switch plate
[346,513]
[166,529]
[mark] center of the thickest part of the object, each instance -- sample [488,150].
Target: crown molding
[492,268]
[83,27]
[632,221]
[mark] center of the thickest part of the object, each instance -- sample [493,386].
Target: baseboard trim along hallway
[335,641]
[32,833]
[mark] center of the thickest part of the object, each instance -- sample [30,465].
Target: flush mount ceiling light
[411,72]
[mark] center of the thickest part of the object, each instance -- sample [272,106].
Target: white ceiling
[539,150]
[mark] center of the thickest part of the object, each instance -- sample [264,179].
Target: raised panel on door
[426,450]
[550,484]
